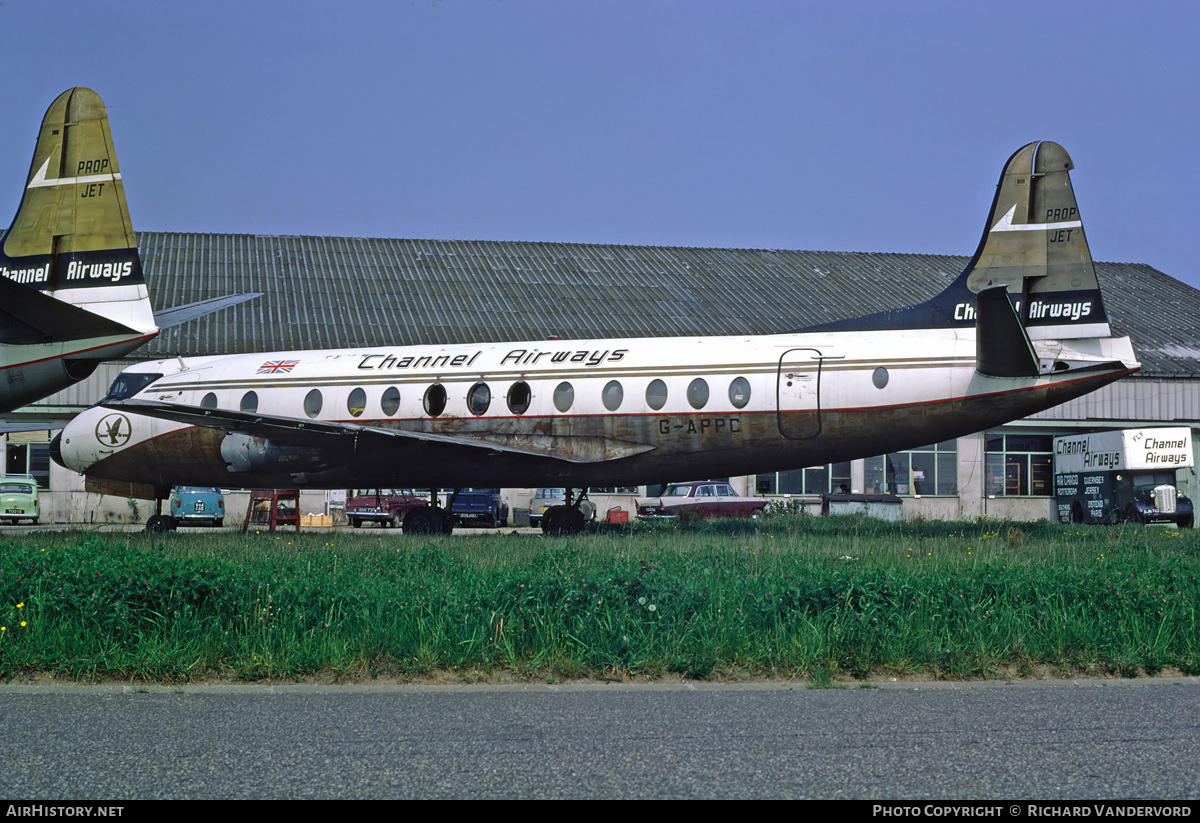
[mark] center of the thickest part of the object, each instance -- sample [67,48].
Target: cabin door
[798,394]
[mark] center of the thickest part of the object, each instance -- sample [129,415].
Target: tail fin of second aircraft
[69,266]
[1034,245]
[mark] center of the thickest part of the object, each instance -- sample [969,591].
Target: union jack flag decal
[277,366]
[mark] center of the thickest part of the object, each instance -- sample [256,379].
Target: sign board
[1126,449]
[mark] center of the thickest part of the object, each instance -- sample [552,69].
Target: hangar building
[334,292]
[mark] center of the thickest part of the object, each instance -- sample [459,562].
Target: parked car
[700,499]
[197,506]
[545,498]
[387,507]
[483,508]
[19,499]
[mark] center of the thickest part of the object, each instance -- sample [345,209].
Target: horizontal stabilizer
[1002,348]
[170,318]
[29,317]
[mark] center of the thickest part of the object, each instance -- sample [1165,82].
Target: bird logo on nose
[114,430]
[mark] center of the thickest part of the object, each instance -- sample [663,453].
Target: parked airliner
[1021,329]
[71,286]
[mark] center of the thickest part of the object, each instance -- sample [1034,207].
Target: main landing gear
[160,523]
[563,520]
[431,519]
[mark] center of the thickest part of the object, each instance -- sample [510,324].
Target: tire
[1184,522]
[559,521]
[158,524]
[1076,513]
[1134,516]
[422,521]
[219,522]
[757,513]
[355,523]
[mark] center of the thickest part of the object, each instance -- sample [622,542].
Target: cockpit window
[128,384]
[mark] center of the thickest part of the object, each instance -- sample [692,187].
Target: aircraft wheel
[562,520]
[158,524]
[422,521]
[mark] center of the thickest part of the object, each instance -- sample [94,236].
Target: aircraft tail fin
[1034,245]
[71,241]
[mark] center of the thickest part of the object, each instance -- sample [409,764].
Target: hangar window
[656,394]
[564,396]
[313,403]
[356,403]
[832,478]
[435,400]
[209,401]
[927,471]
[249,402]
[697,393]
[519,397]
[739,392]
[612,395]
[1019,465]
[390,401]
[479,398]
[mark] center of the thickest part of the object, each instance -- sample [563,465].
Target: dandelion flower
[642,601]
[22,622]
[20,605]
[651,607]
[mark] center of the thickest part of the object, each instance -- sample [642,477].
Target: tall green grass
[813,597]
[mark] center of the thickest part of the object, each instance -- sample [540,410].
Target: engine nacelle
[243,453]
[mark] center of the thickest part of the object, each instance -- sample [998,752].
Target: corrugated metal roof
[330,292]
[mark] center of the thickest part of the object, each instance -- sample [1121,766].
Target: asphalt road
[1126,740]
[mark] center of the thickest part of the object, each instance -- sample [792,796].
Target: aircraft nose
[56,450]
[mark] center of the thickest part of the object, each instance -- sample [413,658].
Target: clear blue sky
[855,126]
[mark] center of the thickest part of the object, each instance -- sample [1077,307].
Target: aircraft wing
[294,431]
[190,311]
[9,428]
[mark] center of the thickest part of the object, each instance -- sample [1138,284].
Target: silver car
[545,498]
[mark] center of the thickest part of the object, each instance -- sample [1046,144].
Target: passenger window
[209,401]
[879,377]
[564,396]
[656,394]
[312,403]
[390,401]
[739,392]
[697,393]
[435,400]
[612,395]
[519,397]
[356,404]
[249,402]
[479,398]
